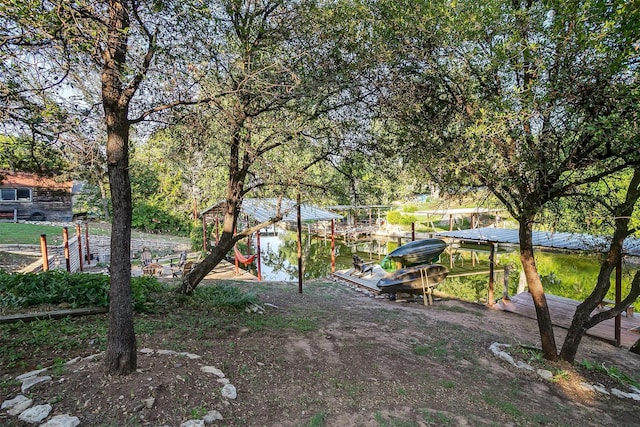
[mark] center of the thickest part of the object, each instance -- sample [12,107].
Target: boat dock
[562,310]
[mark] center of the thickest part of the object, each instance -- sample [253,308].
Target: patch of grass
[503,406]
[22,342]
[560,375]
[612,371]
[229,297]
[437,349]
[448,384]
[437,418]
[317,420]
[275,322]
[197,413]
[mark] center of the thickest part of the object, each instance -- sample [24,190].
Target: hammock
[244,260]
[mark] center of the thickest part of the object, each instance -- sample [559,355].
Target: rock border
[22,407]
[497,350]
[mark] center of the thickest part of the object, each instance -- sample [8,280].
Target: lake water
[279,256]
[568,275]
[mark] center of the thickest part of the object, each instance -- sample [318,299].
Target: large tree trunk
[235,186]
[120,357]
[225,244]
[545,325]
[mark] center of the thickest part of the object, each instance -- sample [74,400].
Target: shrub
[407,220]
[393,217]
[195,235]
[76,289]
[397,217]
[150,218]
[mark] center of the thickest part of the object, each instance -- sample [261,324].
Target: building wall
[49,199]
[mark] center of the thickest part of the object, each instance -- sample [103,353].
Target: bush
[393,217]
[407,220]
[150,218]
[226,297]
[196,237]
[77,289]
[397,217]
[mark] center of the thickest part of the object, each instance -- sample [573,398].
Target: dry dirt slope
[337,357]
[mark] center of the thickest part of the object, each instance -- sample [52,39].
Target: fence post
[79,236]
[43,251]
[65,240]
[86,241]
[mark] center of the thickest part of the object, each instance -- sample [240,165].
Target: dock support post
[505,283]
[299,215]
[258,255]
[491,274]
[333,245]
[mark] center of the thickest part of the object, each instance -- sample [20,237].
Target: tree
[280,71]
[145,68]
[533,100]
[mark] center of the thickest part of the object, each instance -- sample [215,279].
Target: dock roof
[264,209]
[546,239]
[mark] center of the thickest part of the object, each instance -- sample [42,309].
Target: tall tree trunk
[120,357]
[545,325]
[235,185]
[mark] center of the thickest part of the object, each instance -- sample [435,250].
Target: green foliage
[410,208]
[89,200]
[151,218]
[196,237]
[612,371]
[30,155]
[317,420]
[225,296]
[471,288]
[398,218]
[77,289]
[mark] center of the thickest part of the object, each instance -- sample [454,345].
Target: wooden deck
[562,310]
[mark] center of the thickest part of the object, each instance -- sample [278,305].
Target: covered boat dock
[621,330]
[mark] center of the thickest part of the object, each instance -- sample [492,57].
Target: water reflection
[279,256]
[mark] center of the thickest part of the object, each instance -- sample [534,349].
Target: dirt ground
[336,356]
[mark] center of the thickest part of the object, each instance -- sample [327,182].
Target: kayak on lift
[412,280]
[417,252]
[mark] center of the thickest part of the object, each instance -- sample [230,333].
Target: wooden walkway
[562,310]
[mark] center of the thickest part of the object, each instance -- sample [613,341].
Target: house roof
[546,239]
[30,180]
[263,210]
